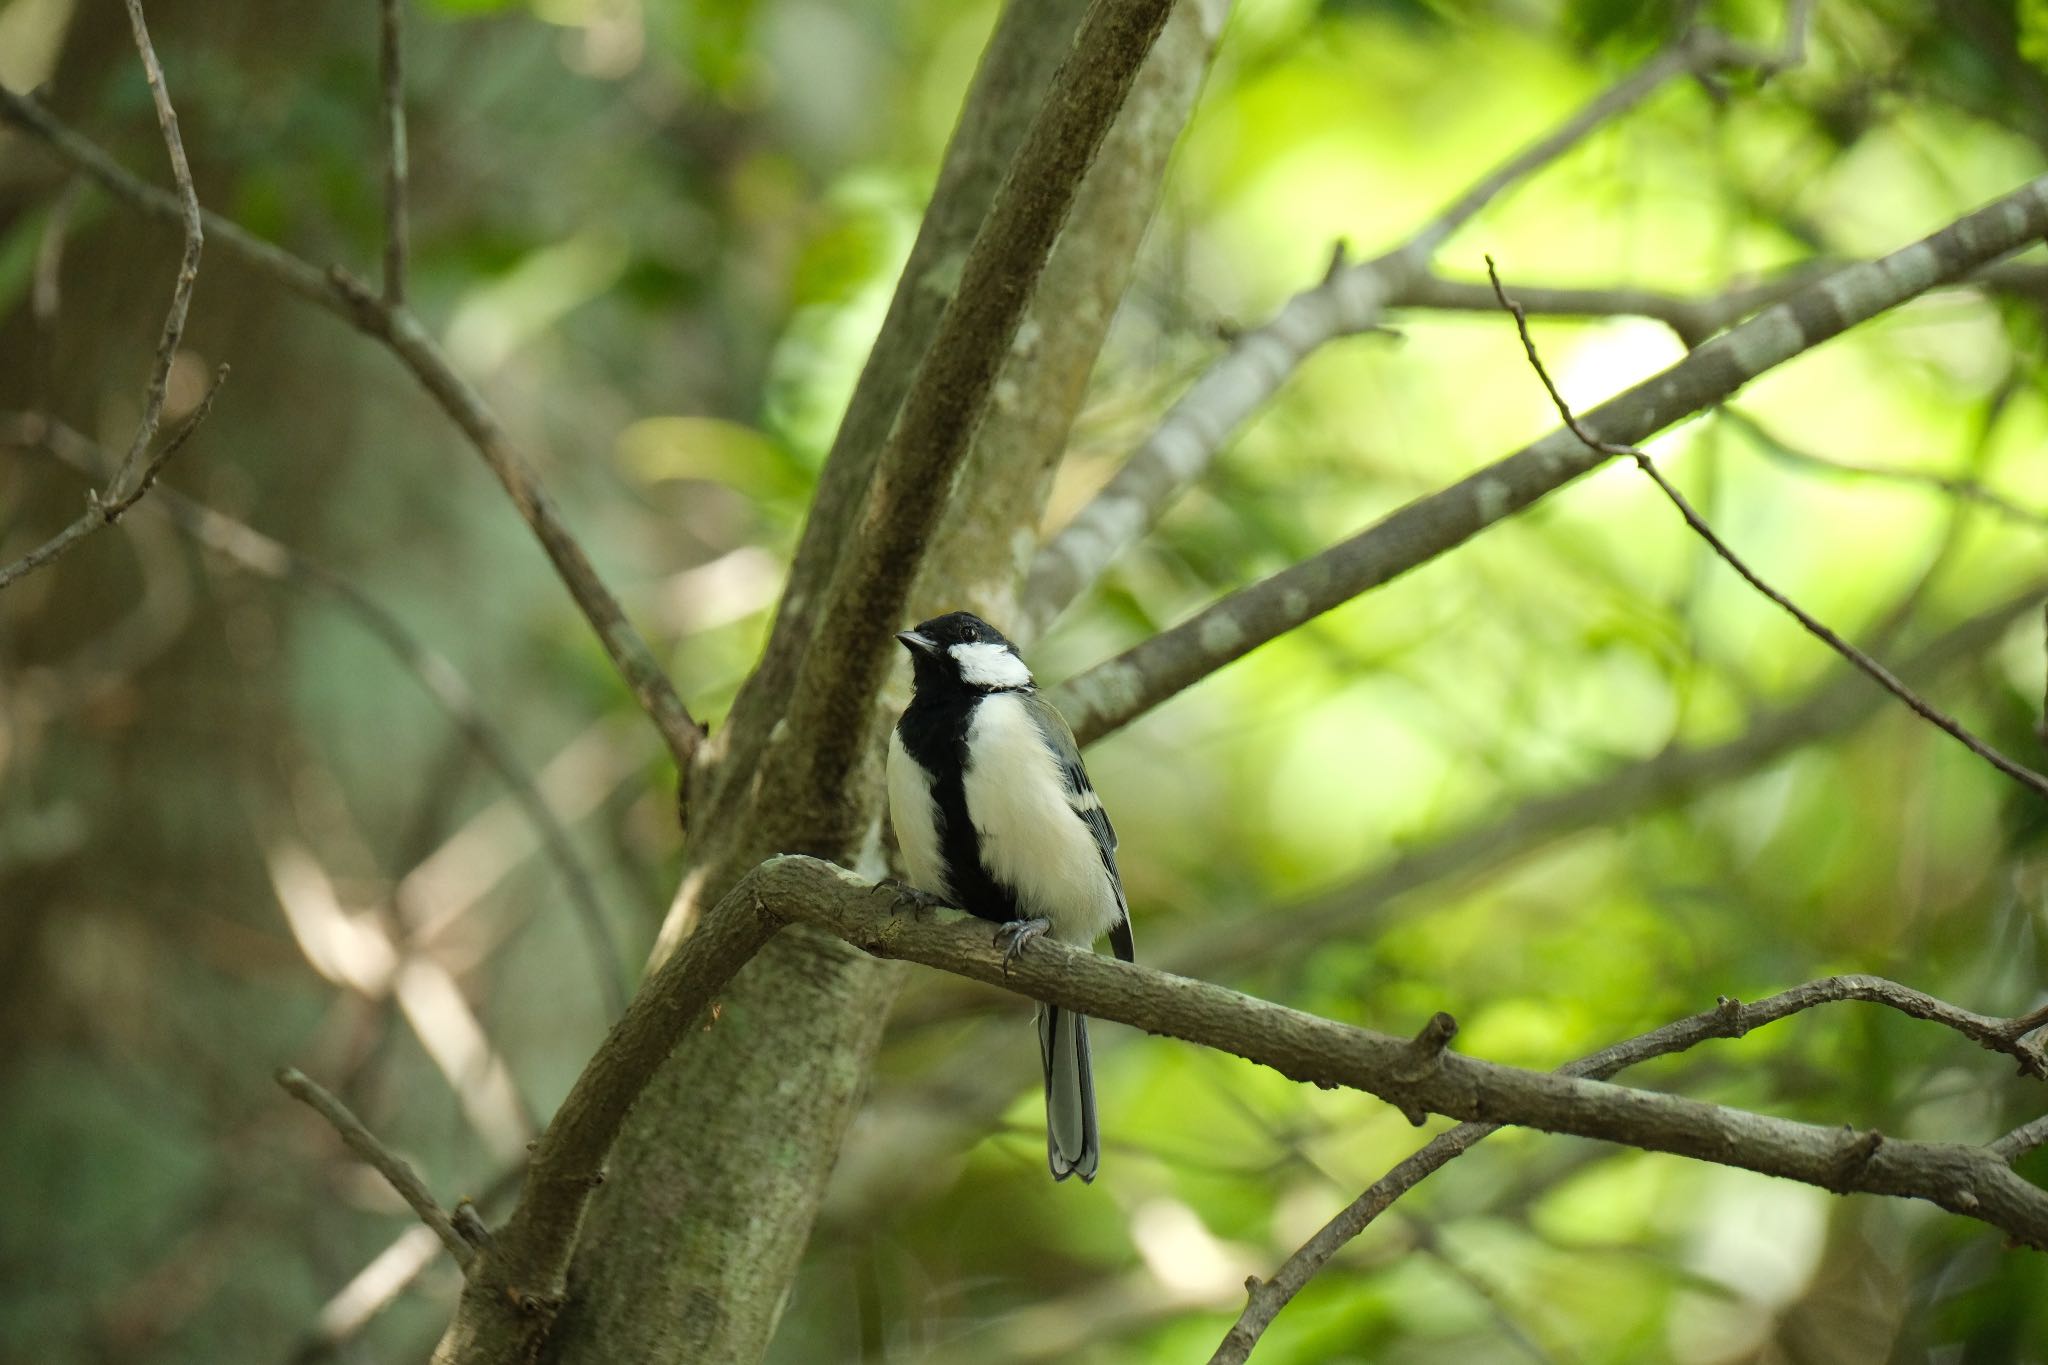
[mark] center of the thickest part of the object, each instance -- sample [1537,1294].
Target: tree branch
[1878,673]
[138,469]
[1118,690]
[520,1278]
[256,553]
[843,666]
[1349,300]
[520,1282]
[401,332]
[1691,317]
[1264,939]
[394,1168]
[1728,1019]
[1415,1075]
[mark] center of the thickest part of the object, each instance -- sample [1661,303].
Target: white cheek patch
[990,665]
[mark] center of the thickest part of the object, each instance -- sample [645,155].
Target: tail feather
[1072,1145]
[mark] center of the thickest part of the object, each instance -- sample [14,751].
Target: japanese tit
[994,814]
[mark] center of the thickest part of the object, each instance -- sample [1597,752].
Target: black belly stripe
[934,734]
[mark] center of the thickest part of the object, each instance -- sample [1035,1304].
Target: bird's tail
[1072,1146]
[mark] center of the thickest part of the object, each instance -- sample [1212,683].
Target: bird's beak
[922,644]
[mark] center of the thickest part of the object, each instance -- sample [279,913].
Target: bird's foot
[1012,935]
[920,901]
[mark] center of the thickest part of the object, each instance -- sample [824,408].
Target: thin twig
[1349,299]
[1883,676]
[270,559]
[188,266]
[350,299]
[138,469]
[1728,1019]
[1118,690]
[391,70]
[387,1163]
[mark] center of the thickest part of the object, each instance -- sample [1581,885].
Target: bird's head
[961,652]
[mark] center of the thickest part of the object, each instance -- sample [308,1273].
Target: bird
[994,814]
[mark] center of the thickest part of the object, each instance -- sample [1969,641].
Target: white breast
[1030,838]
[915,817]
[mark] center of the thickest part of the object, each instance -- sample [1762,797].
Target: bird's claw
[919,900]
[1012,935]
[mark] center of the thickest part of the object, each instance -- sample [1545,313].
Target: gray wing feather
[1059,738]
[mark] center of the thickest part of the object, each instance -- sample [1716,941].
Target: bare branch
[138,469]
[391,74]
[129,477]
[1878,673]
[254,552]
[387,1163]
[1385,894]
[1115,692]
[1692,317]
[347,297]
[847,657]
[1964,1179]
[2022,1140]
[521,1280]
[1349,300]
[1728,1019]
[519,1283]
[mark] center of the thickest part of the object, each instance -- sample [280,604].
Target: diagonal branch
[138,468]
[1350,299]
[843,666]
[397,327]
[522,1273]
[395,1169]
[1115,692]
[1416,1075]
[1265,939]
[1728,1019]
[1877,672]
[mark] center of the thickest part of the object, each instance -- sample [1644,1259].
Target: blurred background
[1570,782]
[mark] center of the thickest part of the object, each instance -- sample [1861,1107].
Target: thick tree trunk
[711,1193]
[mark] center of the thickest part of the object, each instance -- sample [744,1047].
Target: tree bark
[716,1180]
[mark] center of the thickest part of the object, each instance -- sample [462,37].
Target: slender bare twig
[1878,673]
[394,1168]
[256,553]
[398,329]
[1349,299]
[1118,690]
[391,73]
[188,265]
[1691,317]
[1728,1019]
[138,468]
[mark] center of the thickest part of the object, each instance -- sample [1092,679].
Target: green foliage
[659,238]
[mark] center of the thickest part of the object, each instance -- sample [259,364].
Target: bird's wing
[1087,806]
